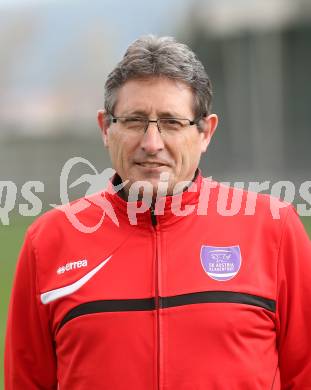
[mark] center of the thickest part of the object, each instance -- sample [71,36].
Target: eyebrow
[136,112]
[161,114]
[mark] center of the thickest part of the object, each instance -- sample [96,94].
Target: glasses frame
[148,121]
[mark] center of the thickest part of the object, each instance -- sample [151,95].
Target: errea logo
[71,266]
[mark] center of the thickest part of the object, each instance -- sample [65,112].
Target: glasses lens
[171,124]
[134,123]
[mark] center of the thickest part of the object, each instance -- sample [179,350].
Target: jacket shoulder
[234,200]
[68,219]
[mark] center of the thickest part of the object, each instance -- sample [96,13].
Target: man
[180,297]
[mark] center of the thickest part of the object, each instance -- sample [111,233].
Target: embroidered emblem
[221,263]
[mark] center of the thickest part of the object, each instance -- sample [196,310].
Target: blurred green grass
[11,239]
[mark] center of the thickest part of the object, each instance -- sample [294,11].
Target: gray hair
[161,56]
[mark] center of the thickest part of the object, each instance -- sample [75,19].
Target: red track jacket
[191,302]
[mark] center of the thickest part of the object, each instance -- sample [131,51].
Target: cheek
[188,152]
[120,149]
[116,150]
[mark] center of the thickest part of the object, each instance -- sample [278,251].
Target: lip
[151,164]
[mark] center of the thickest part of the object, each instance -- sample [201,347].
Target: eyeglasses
[165,125]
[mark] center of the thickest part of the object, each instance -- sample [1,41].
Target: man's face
[144,156]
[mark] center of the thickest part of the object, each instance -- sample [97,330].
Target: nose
[152,141]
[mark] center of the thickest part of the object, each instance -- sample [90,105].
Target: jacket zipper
[157,300]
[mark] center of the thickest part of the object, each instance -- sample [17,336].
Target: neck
[124,194]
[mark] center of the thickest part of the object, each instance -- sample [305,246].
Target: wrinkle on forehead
[170,97]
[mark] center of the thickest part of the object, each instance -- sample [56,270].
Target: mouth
[151,164]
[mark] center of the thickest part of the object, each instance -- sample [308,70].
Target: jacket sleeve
[294,305]
[30,361]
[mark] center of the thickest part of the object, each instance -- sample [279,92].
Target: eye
[132,119]
[133,122]
[171,124]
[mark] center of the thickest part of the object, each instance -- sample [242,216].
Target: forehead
[155,95]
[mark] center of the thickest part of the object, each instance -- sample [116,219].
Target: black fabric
[109,306]
[218,297]
[119,305]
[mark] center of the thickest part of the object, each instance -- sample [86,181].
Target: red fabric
[198,346]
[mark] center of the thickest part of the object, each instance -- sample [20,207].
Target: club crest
[221,263]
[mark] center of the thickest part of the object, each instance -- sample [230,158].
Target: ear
[103,123]
[208,125]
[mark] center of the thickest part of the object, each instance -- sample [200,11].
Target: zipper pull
[153,216]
